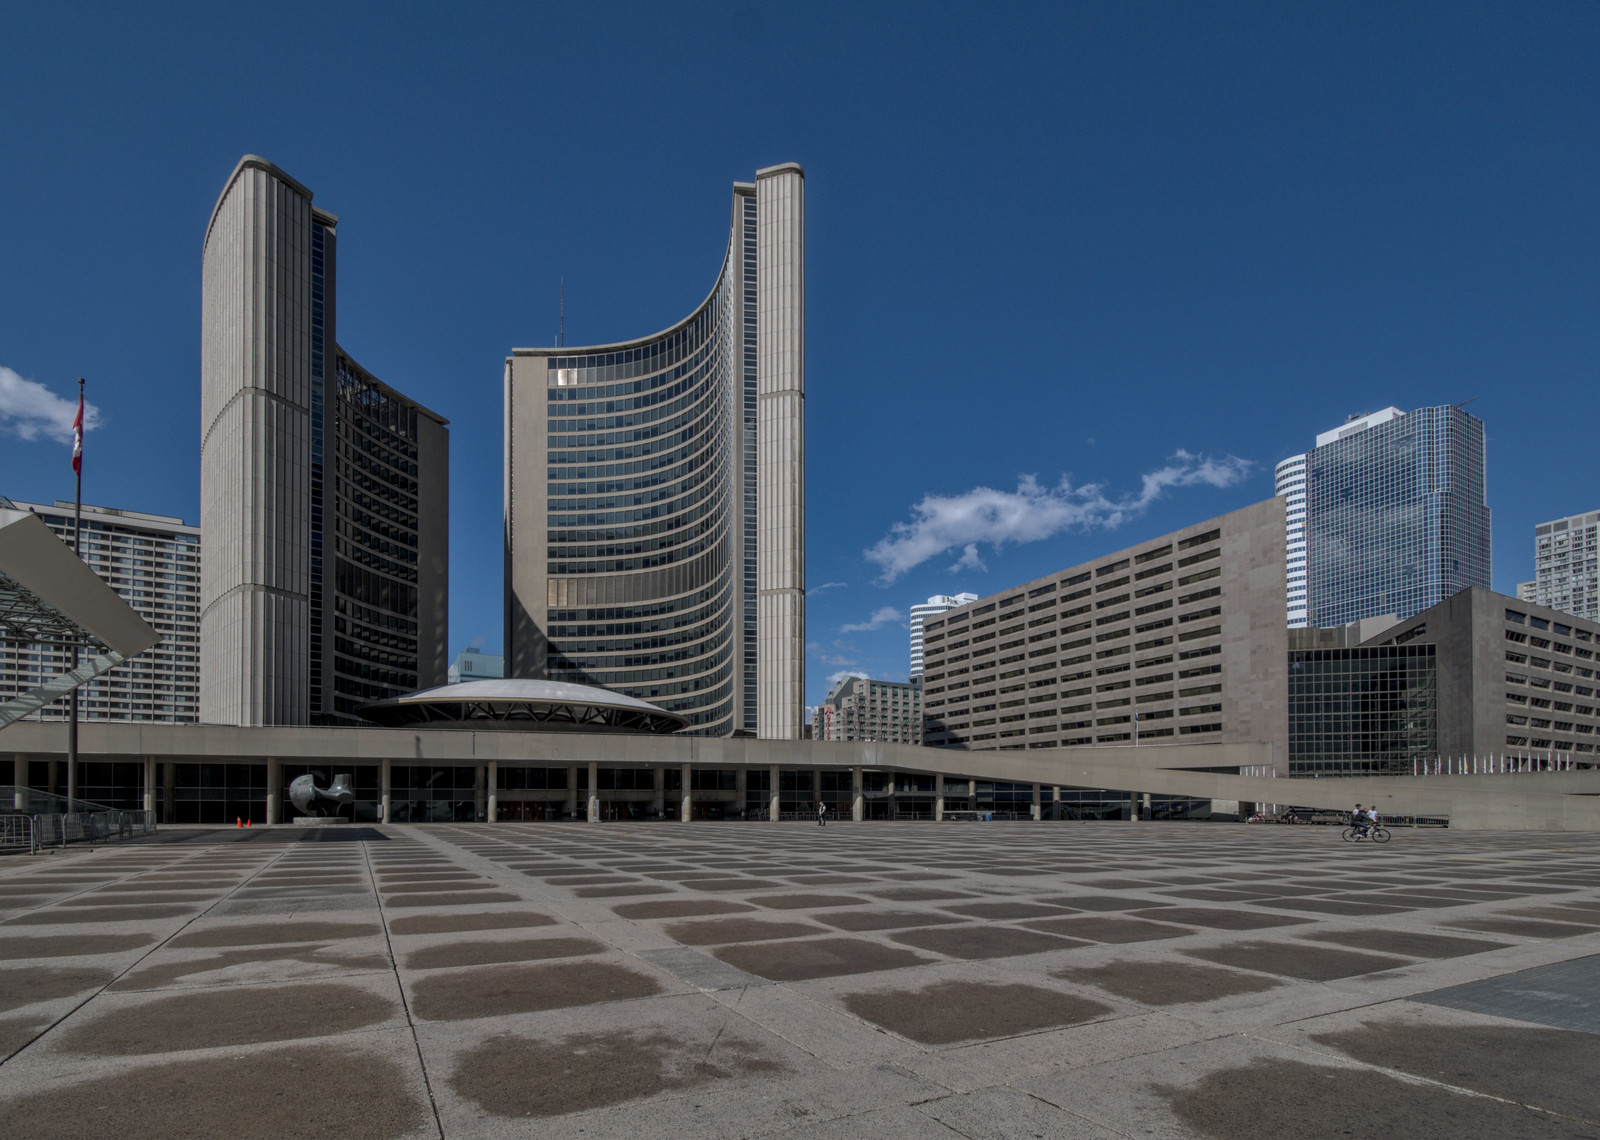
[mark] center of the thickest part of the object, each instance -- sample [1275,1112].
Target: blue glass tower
[1397,515]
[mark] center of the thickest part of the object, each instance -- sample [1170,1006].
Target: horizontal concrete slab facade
[1534,801]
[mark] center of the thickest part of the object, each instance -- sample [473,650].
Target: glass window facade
[651,542]
[1397,517]
[1362,711]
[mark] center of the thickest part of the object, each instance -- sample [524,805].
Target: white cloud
[29,410]
[835,678]
[826,586]
[882,616]
[969,560]
[1033,512]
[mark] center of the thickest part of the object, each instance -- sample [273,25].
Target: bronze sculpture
[312,800]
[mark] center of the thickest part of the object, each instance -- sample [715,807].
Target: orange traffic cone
[247,823]
[237,822]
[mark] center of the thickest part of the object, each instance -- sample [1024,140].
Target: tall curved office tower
[324,493]
[655,494]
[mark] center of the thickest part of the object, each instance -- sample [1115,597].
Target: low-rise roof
[513,702]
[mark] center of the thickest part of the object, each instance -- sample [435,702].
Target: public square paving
[875,980]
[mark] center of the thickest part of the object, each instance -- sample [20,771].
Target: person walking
[822,814]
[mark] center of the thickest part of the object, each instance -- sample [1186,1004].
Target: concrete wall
[255,450]
[780,452]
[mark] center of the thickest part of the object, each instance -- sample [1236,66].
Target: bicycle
[1373,832]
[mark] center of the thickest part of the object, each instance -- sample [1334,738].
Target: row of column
[685,805]
[1139,804]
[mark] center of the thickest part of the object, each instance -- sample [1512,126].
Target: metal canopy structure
[49,595]
[548,706]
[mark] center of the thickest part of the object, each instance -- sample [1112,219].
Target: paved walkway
[871,981]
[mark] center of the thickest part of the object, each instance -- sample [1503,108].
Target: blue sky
[1078,274]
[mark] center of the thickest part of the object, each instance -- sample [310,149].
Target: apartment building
[153,562]
[862,708]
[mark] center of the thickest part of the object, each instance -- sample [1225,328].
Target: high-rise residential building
[655,494]
[921,612]
[475,665]
[1397,514]
[1567,565]
[1289,481]
[153,562]
[1179,639]
[861,708]
[324,512]
[1527,591]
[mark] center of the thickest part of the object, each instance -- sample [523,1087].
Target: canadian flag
[77,439]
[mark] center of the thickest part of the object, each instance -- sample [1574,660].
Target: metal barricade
[59,829]
[18,833]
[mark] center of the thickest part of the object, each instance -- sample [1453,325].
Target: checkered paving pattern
[748,979]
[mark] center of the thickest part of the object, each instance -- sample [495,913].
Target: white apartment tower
[153,563]
[1567,565]
[921,612]
[1289,483]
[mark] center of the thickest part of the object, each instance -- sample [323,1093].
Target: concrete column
[686,809]
[858,804]
[19,777]
[1133,807]
[494,791]
[741,787]
[1036,814]
[572,791]
[1144,805]
[274,790]
[385,790]
[938,798]
[772,791]
[816,789]
[1055,803]
[659,803]
[594,791]
[149,783]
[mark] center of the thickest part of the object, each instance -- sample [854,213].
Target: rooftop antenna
[1464,403]
[561,336]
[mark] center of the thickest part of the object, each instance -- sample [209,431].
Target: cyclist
[1359,820]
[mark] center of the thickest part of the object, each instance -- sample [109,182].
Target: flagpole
[77,548]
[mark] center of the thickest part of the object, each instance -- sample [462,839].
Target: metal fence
[30,833]
[18,833]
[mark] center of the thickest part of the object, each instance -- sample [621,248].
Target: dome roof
[520,703]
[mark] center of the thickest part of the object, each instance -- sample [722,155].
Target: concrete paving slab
[941,937]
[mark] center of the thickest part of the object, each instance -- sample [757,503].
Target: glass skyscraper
[1397,514]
